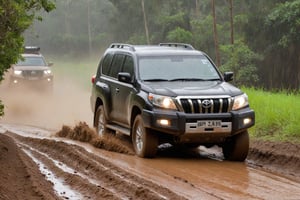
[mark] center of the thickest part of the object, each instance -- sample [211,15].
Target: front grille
[206,105]
[33,73]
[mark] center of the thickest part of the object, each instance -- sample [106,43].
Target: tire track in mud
[19,176]
[88,175]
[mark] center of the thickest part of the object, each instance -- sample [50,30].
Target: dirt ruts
[34,168]
[83,175]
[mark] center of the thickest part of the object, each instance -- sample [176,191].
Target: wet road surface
[191,175]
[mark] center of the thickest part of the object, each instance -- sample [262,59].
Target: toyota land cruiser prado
[31,71]
[169,93]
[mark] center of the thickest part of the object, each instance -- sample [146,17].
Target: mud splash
[83,133]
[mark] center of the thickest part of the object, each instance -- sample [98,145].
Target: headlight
[17,72]
[240,101]
[162,101]
[47,72]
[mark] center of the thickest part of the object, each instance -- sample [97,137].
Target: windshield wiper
[182,79]
[212,79]
[194,79]
[186,79]
[156,79]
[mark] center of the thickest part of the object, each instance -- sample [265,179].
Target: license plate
[32,78]
[210,124]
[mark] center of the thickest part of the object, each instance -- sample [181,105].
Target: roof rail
[182,45]
[32,49]
[122,46]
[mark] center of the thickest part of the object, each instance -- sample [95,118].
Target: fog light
[163,122]
[48,79]
[247,121]
[15,81]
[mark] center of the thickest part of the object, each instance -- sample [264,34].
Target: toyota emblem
[206,103]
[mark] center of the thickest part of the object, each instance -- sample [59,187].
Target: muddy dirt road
[36,164]
[60,168]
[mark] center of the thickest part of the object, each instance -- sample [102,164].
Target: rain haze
[47,139]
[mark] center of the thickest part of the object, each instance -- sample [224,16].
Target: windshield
[172,68]
[31,61]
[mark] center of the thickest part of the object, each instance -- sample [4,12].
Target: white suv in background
[31,71]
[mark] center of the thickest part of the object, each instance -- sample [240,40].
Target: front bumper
[32,82]
[179,123]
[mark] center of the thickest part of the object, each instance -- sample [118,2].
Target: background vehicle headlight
[47,72]
[240,101]
[162,101]
[17,72]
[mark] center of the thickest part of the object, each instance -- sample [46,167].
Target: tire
[237,147]
[100,122]
[145,142]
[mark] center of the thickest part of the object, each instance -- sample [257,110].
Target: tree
[240,59]
[216,39]
[267,28]
[15,17]
[145,22]
[283,28]
[75,27]
[180,35]
[231,21]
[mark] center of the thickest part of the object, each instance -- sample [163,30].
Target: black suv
[169,93]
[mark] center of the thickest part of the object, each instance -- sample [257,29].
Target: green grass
[78,70]
[277,115]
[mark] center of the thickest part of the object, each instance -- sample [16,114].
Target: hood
[191,88]
[30,68]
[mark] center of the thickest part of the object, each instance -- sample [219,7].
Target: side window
[106,63]
[99,68]
[129,66]
[116,65]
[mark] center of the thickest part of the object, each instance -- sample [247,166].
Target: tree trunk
[67,5]
[197,8]
[231,21]
[215,33]
[145,22]
[89,28]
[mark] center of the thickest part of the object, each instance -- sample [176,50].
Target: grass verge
[277,115]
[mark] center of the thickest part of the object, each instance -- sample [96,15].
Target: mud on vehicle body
[169,93]
[31,71]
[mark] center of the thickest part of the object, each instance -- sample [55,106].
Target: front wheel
[237,147]
[100,121]
[144,141]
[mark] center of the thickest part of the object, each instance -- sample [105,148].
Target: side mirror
[228,76]
[124,77]
[50,64]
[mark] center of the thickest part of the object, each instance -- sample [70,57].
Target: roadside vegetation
[277,115]
[15,18]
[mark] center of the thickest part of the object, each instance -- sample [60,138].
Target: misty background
[257,40]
